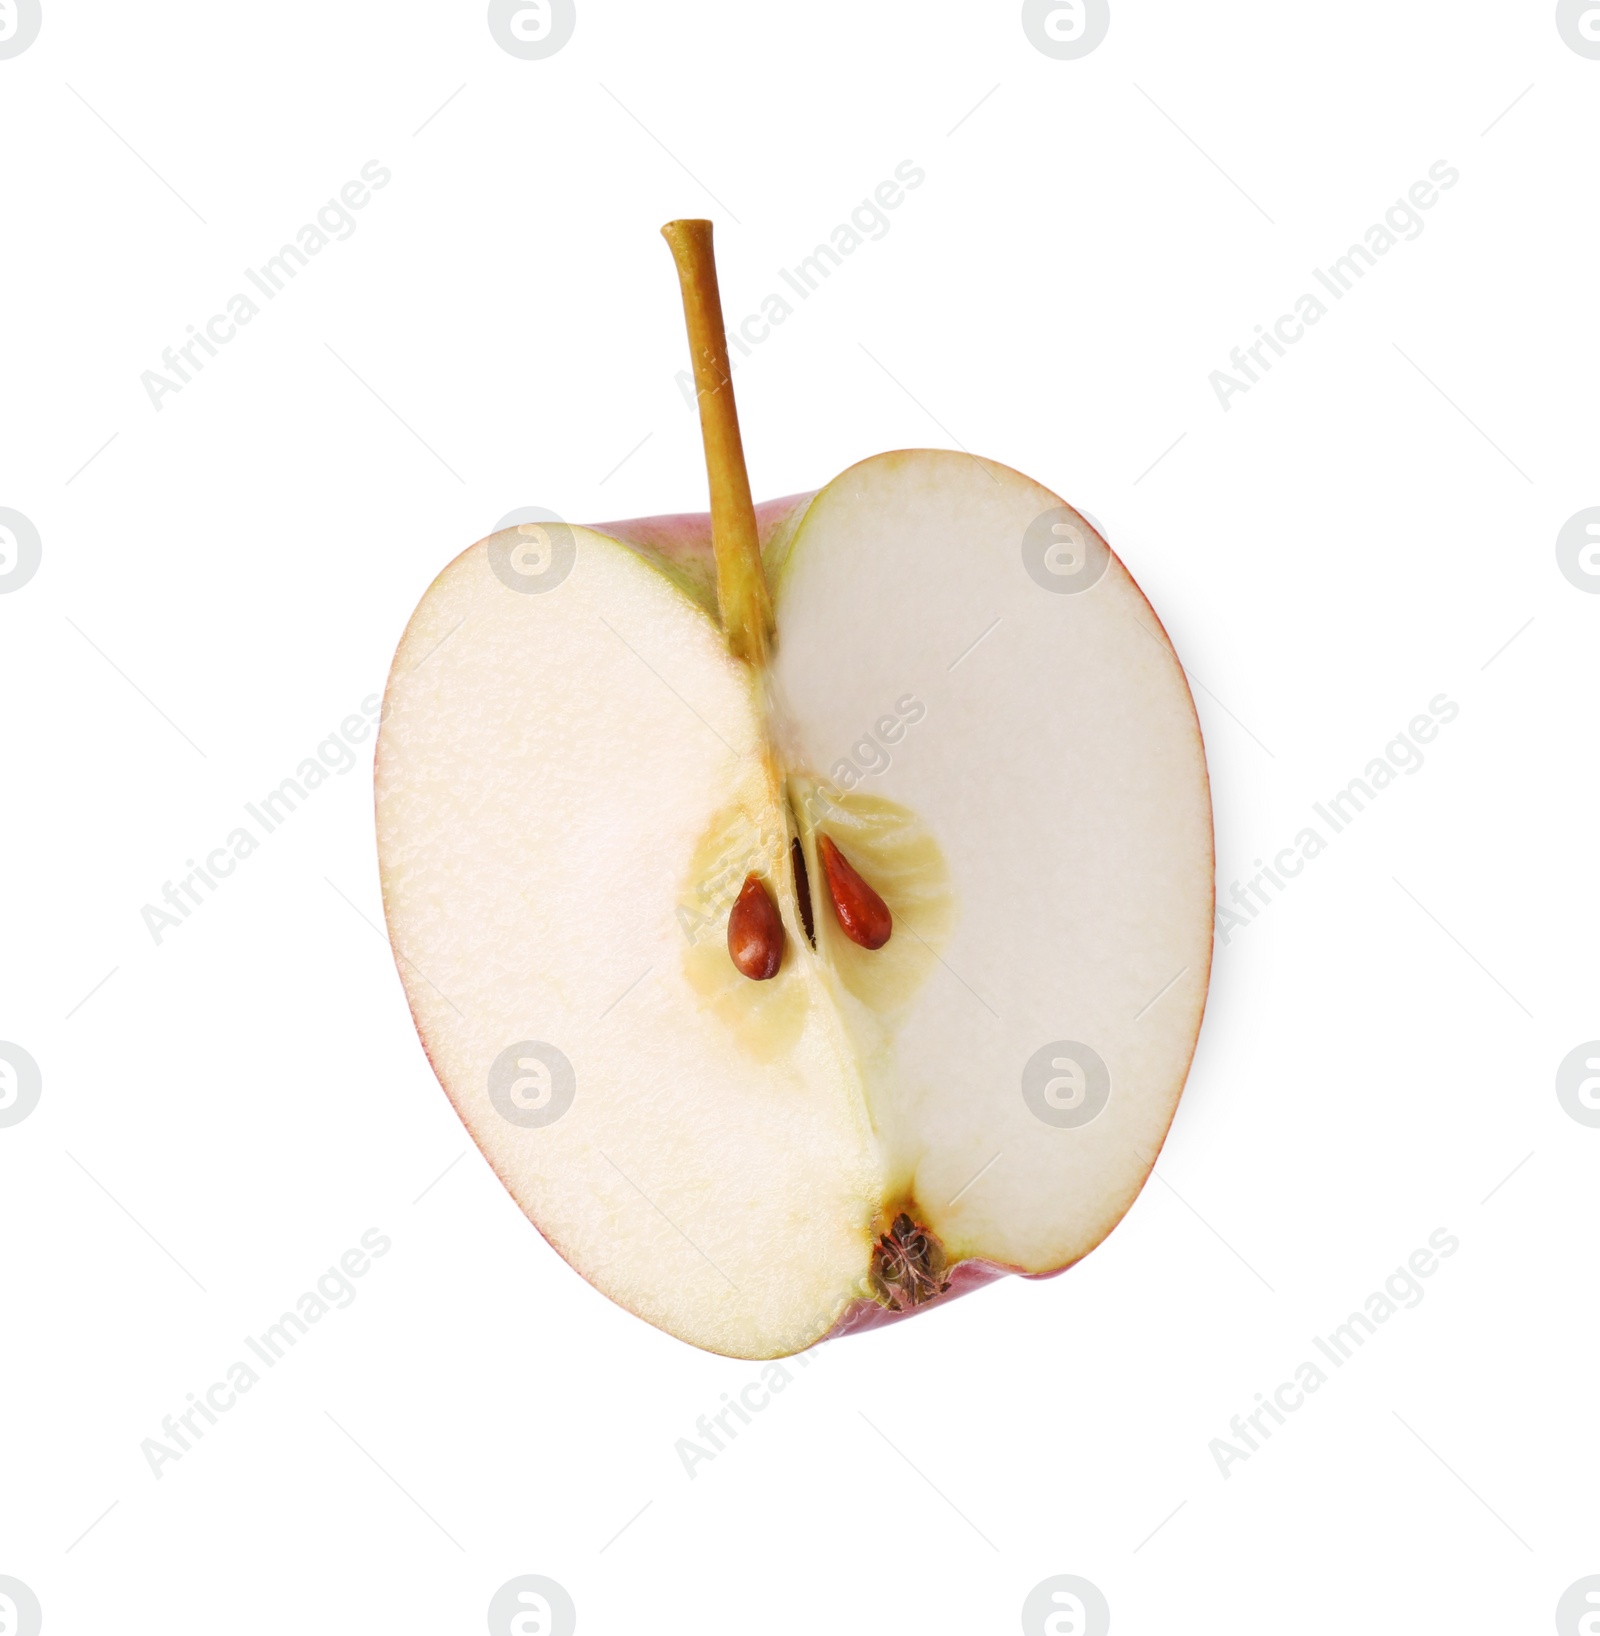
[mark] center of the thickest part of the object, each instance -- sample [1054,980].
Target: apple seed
[863,916]
[802,891]
[755,932]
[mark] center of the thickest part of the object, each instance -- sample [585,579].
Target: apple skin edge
[964,1277]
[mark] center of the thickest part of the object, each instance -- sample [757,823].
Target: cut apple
[926,717]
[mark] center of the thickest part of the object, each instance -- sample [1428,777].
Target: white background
[223,581]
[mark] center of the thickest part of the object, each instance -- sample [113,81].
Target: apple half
[595,739]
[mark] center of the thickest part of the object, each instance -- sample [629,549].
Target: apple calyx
[744,603]
[908,1266]
[755,932]
[863,916]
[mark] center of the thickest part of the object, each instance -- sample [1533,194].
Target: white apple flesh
[574,785]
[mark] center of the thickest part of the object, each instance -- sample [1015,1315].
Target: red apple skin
[964,1277]
[683,539]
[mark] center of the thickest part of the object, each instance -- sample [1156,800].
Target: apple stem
[743,600]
